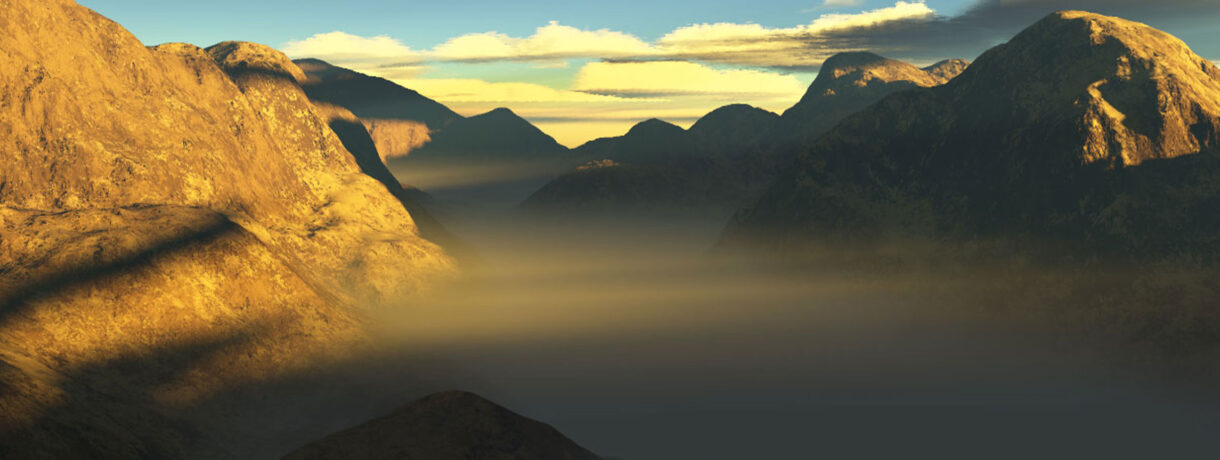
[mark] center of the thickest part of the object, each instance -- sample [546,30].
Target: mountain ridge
[1043,137]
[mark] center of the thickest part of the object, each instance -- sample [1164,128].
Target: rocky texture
[115,322]
[357,140]
[850,82]
[397,138]
[1084,129]
[173,222]
[448,425]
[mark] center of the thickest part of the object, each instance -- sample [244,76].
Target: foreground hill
[174,222]
[1085,129]
[447,425]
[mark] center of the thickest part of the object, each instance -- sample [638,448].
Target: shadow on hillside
[22,296]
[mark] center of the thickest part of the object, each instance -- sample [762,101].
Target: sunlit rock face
[174,222]
[1084,128]
[850,82]
[448,425]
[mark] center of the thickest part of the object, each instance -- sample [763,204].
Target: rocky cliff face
[448,425]
[173,222]
[1083,128]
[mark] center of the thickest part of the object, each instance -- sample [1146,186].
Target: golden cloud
[729,43]
[344,47]
[667,78]
[548,42]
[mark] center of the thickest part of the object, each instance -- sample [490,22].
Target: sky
[581,69]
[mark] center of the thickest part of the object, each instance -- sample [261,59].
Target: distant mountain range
[1092,131]
[726,159]
[657,166]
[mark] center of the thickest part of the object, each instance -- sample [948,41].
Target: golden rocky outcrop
[173,222]
[397,138]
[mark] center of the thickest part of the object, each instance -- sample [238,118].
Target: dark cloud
[991,22]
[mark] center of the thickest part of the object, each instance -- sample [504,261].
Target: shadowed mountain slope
[371,97]
[485,162]
[1086,129]
[447,425]
[398,119]
[174,222]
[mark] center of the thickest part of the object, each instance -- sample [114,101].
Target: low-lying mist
[639,343]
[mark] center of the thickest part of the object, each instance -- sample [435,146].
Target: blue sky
[429,23]
[584,69]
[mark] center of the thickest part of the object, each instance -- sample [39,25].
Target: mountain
[734,128]
[1089,130]
[849,82]
[174,223]
[484,162]
[399,120]
[731,154]
[371,97]
[715,167]
[447,425]
[498,135]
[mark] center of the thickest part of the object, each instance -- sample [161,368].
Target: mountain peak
[735,120]
[654,127]
[849,82]
[947,69]
[845,72]
[241,58]
[1139,93]
[503,113]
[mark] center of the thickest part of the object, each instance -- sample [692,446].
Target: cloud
[841,3]
[344,47]
[802,46]
[669,78]
[551,41]
[987,23]
[458,90]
